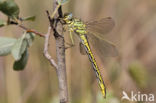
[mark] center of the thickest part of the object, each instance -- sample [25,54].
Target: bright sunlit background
[133,70]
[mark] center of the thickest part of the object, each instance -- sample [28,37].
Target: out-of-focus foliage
[20,52]
[2,23]
[21,45]
[139,74]
[9,8]
[6,45]
[18,48]
[21,63]
[110,98]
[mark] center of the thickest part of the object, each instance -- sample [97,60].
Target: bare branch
[25,28]
[31,30]
[46,45]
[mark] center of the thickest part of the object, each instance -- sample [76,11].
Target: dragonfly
[95,30]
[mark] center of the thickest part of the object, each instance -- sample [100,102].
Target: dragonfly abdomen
[85,42]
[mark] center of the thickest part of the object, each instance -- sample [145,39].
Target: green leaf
[20,52]
[2,23]
[21,44]
[20,64]
[62,2]
[19,47]
[9,8]
[30,38]
[6,45]
[30,18]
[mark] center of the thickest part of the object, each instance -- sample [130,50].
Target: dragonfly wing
[102,46]
[101,27]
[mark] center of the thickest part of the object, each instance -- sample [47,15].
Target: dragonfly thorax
[76,25]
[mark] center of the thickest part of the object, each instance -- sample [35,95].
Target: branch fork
[46,45]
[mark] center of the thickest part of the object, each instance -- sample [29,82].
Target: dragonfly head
[68,16]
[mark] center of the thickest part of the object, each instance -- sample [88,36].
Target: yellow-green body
[77,26]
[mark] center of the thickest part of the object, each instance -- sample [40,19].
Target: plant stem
[60,51]
[61,70]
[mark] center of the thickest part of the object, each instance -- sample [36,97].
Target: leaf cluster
[18,48]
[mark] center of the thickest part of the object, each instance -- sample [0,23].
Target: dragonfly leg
[65,27]
[69,45]
[71,36]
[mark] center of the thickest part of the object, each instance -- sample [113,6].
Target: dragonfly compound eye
[68,16]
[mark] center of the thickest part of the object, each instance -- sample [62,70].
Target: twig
[25,28]
[55,11]
[46,44]
[31,30]
[61,71]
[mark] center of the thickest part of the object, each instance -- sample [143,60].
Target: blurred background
[133,70]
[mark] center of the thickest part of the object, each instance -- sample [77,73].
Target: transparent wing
[103,47]
[101,27]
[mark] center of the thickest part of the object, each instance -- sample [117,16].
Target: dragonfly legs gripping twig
[69,45]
